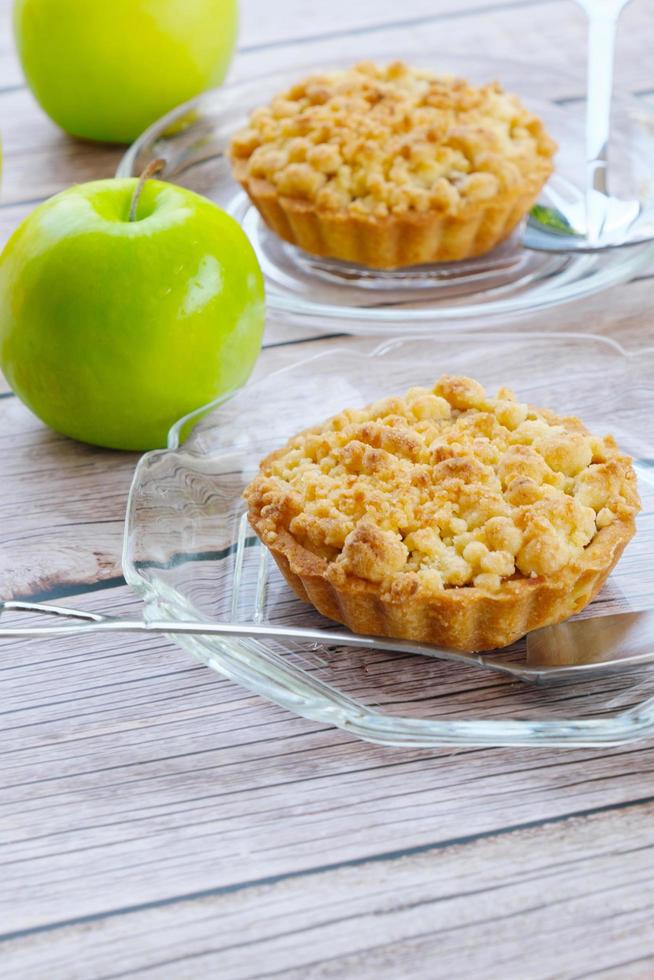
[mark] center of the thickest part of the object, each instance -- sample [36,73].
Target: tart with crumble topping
[446,516]
[390,166]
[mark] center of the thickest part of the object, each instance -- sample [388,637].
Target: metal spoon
[568,651]
[608,221]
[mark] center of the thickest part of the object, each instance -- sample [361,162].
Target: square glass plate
[191,555]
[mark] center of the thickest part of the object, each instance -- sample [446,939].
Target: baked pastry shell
[465,618]
[394,240]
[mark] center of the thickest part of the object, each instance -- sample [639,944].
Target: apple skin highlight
[111,329]
[107,70]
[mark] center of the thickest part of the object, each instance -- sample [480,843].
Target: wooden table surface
[156,819]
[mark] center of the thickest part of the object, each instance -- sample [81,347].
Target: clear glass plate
[510,282]
[191,555]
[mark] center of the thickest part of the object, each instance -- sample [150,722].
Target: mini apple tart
[391,166]
[446,516]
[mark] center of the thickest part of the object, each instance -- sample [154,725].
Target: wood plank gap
[305,340]
[611,969]
[66,589]
[27,203]
[393,25]
[571,99]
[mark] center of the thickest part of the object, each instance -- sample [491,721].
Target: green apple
[106,69]
[115,322]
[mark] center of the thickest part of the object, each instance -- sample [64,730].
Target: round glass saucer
[509,282]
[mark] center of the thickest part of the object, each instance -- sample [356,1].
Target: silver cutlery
[572,650]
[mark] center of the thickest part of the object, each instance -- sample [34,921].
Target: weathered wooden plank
[563,899]
[262,27]
[131,774]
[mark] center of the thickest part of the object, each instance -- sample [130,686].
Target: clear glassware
[510,283]
[191,555]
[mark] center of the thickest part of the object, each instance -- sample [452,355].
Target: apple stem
[154,167]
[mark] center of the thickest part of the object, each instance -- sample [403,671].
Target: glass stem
[602,26]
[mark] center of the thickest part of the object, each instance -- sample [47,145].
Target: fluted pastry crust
[391,166]
[446,516]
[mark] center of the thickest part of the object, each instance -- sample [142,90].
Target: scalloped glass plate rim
[311,698]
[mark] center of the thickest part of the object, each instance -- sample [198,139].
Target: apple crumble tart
[446,516]
[390,166]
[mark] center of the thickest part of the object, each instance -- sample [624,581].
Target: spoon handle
[602,26]
[94,622]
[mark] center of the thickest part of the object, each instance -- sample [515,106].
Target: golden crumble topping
[381,140]
[444,488]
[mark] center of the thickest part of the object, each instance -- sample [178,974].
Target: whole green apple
[116,322]
[106,69]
